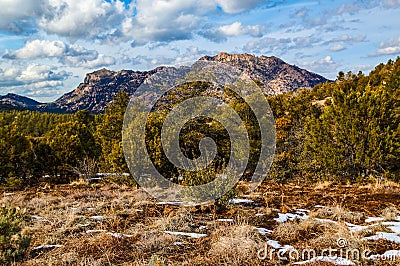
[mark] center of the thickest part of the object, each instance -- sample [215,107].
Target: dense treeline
[347,130]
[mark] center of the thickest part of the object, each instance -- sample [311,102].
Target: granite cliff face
[276,76]
[100,87]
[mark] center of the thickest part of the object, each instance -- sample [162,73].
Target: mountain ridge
[101,86]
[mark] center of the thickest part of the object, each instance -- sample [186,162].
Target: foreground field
[85,224]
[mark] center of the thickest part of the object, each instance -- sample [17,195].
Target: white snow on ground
[97,217]
[192,235]
[319,206]
[36,217]
[202,227]
[95,231]
[394,226]
[260,214]
[388,255]
[178,243]
[46,247]
[392,237]
[118,235]
[374,219]
[325,221]
[276,245]
[284,217]
[334,260]
[225,220]
[238,201]
[264,231]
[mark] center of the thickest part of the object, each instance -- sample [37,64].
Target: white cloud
[237,6]
[71,55]
[17,16]
[390,47]
[324,65]
[83,19]
[232,30]
[337,48]
[391,3]
[33,75]
[350,39]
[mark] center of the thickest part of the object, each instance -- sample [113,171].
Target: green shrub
[13,244]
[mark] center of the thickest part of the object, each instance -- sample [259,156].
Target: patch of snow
[325,221]
[46,247]
[119,235]
[178,243]
[83,225]
[392,237]
[289,217]
[202,227]
[394,226]
[36,217]
[97,217]
[275,244]
[398,218]
[260,214]
[334,260]
[95,231]
[139,210]
[239,201]
[225,220]
[320,206]
[374,219]
[264,231]
[192,235]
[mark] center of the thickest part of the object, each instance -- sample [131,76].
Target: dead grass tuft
[236,245]
[338,213]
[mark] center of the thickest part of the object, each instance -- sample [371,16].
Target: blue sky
[47,46]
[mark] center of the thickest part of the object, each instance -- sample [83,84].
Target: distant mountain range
[100,87]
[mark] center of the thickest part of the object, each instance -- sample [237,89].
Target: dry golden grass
[338,213]
[65,215]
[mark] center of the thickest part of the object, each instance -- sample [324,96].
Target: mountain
[100,87]
[276,75]
[14,101]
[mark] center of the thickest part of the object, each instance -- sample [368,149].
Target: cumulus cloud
[337,48]
[164,21]
[18,16]
[34,75]
[72,18]
[75,18]
[390,47]
[237,6]
[235,29]
[71,55]
[324,65]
